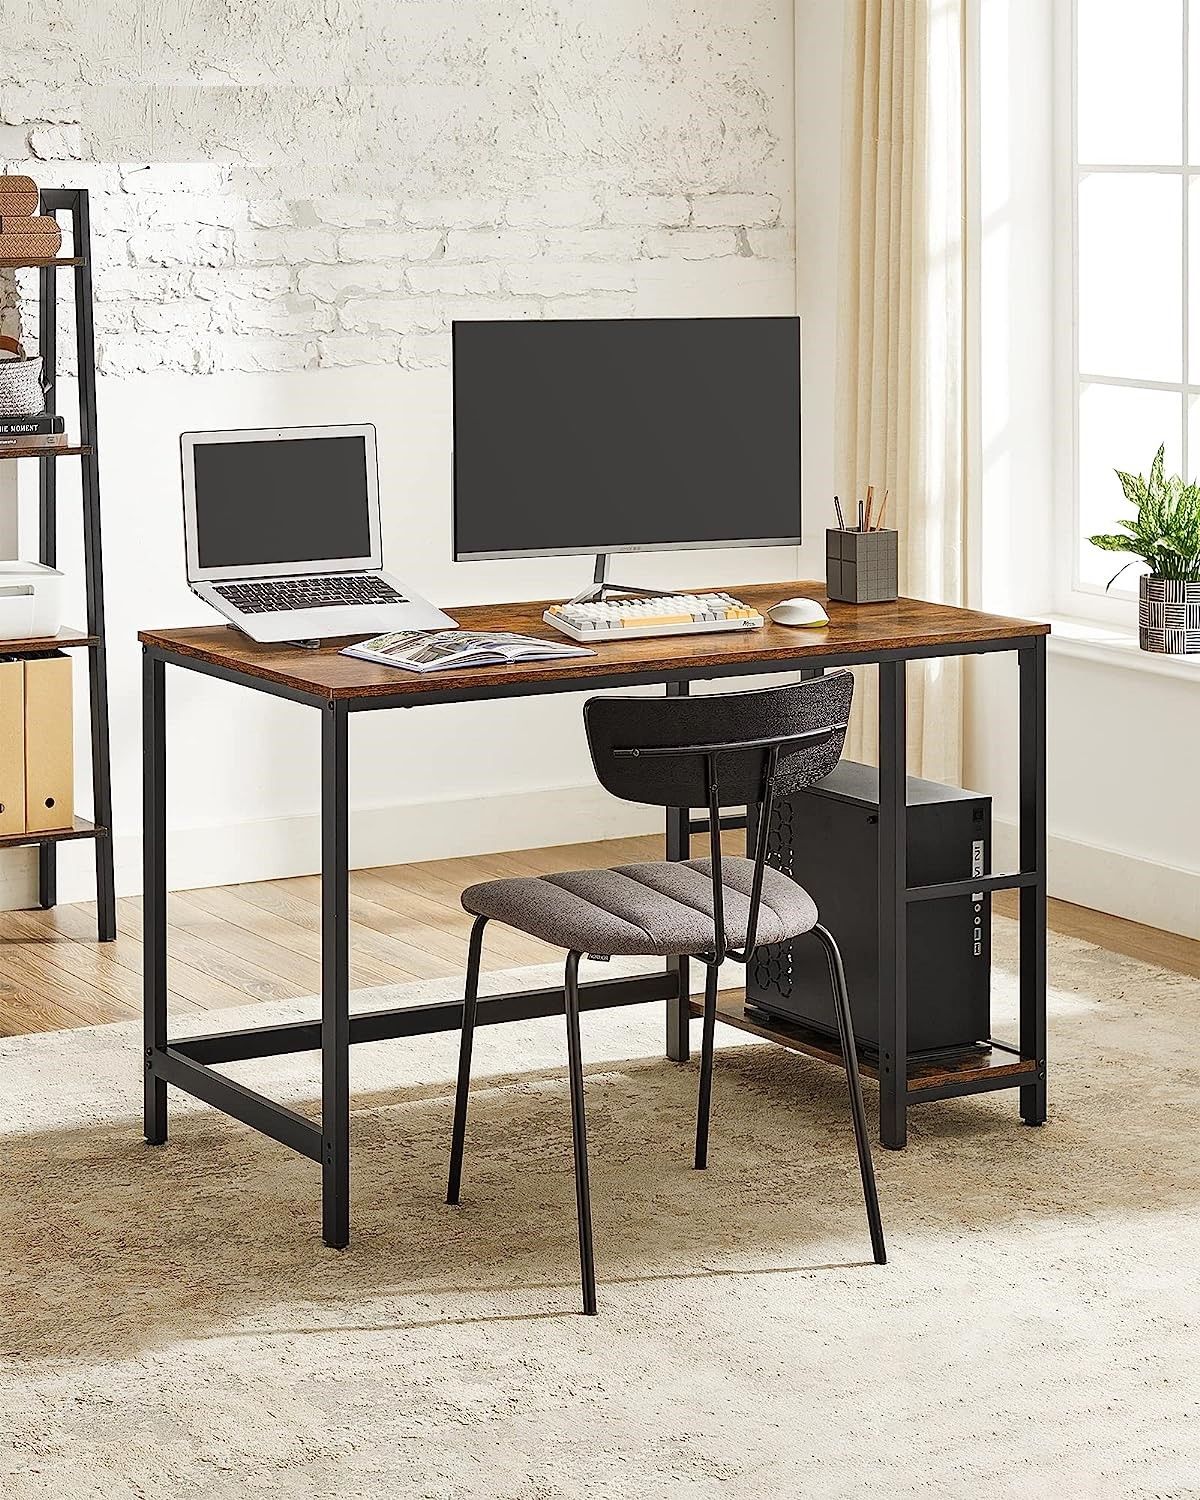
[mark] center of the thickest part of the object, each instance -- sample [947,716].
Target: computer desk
[890,635]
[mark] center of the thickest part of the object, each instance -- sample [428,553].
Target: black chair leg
[706,1066]
[470,1006]
[583,1195]
[841,1001]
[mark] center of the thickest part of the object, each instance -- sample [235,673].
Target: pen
[837,505]
[861,516]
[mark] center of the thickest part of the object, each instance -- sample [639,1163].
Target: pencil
[882,511]
[870,503]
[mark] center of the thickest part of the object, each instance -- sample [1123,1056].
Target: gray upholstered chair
[733,750]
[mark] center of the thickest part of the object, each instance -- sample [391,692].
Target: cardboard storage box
[12,747]
[49,744]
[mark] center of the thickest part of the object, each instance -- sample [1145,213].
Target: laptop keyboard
[271,595]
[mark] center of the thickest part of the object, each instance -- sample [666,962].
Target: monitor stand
[601,587]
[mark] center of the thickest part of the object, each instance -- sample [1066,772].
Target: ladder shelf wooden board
[57,262]
[80,829]
[39,450]
[37,645]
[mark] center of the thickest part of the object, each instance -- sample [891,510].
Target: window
[1135,268]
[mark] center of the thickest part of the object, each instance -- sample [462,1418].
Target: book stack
[43,431]
[24,235]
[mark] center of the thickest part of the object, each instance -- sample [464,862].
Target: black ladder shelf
[75,202]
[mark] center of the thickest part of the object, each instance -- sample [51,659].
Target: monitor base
[600,587]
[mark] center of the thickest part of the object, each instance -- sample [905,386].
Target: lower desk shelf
[941,1078]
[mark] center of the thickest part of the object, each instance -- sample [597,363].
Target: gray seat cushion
[664,908]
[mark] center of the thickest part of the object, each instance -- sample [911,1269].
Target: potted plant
[1165,533]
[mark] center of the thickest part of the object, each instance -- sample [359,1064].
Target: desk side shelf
[937,1078]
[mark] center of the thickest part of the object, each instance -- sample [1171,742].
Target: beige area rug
[171,1326]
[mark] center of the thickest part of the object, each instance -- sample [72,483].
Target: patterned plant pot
[1168,616]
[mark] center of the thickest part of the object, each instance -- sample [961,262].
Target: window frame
[1073,596]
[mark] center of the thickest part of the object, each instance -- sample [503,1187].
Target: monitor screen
[625,435]
[281,500]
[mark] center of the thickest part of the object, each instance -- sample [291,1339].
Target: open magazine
[444,650]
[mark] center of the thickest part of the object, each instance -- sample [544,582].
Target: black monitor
[625,435]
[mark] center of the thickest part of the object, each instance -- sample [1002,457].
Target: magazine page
[440,650]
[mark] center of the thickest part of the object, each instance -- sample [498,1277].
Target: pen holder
[861,566]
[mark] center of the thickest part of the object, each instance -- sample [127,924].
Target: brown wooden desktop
[889,635]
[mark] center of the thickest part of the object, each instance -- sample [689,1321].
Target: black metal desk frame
[191,1063]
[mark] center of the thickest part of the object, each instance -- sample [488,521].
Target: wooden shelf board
[79,829]
[22,450]
[57,260]
[968,1068]
[65,640]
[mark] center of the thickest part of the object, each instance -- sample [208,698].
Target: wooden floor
[234,945]
[237,944]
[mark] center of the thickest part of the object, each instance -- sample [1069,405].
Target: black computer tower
[827,838]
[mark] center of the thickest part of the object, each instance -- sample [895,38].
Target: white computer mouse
[798,612]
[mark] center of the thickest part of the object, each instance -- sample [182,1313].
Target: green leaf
[1133,485]
[1110,543]
[1156,469]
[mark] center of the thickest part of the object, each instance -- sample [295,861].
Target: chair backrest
[721,750]
[806,720]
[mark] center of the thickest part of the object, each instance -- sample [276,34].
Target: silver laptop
[282,533]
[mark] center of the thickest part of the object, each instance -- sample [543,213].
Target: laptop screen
[283,500]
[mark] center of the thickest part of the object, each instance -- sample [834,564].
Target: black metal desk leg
[1032,908]
[893,912]
[335,976]
[154,891]
[679,846]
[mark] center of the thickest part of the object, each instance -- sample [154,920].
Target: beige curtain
[900,413]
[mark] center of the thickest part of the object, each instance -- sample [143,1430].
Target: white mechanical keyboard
[666,614]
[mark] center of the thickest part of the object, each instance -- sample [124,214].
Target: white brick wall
[524,162]
[315,192]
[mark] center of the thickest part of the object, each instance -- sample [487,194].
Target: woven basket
[21,393]
[29,239]
[1168,616]
[18,197]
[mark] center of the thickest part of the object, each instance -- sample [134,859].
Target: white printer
[30,600]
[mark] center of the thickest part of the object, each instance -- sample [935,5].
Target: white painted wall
[560,158]
[819,92]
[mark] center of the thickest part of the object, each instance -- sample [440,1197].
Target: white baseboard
[400,834]
[1108,880]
